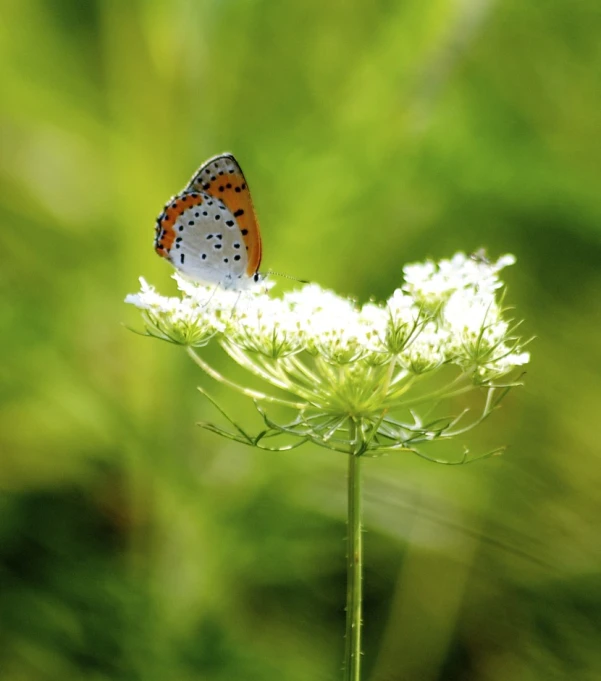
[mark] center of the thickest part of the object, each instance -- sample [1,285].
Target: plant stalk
[354,556]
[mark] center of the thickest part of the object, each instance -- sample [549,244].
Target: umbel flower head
[355,377]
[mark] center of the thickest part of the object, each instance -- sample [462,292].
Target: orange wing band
[165,227]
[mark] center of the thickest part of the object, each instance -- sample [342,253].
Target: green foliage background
[136,547]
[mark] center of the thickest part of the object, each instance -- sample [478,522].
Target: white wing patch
[209,246]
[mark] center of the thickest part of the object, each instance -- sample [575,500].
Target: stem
[254,394]
[354,556]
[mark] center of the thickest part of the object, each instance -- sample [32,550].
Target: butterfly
[209,231]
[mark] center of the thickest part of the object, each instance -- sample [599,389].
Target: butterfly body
[209,232]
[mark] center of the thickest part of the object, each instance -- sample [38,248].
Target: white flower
[312,300]
[429,281]
[352,373]
[427,351]
[468,311]
[479,337]
[404,321]
[374,320]
[148,298]
[268,326]
[445,312]
[332,324]
[180,320]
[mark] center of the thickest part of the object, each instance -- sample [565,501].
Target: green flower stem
[254,394]
[354,587]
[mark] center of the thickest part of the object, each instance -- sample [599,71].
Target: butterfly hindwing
[199,235]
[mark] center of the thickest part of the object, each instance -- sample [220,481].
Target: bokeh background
[136,547]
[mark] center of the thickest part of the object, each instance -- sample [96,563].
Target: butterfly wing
[222,178]
[201,238]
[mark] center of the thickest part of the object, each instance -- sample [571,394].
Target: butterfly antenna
[286,276]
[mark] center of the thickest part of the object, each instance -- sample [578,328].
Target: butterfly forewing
[222,178]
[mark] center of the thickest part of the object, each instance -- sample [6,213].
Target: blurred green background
[136,547]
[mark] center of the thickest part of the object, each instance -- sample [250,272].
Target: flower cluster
[350,368]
